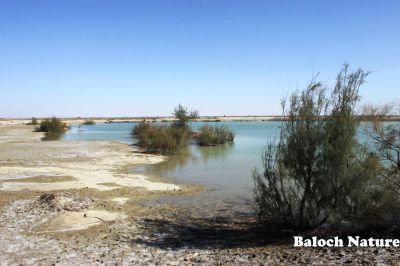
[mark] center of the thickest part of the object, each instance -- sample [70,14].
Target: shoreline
[157,119]
[97,169]
[78,120]
[59,189]
[90,163]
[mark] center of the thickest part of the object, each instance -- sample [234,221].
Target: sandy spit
[90,164]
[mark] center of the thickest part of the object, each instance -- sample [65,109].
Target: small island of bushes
[53,127]
[168,139]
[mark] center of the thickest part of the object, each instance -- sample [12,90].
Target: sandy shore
[52,192]
[80,120]
[25,160]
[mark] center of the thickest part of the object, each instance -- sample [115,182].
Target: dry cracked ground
[80,203]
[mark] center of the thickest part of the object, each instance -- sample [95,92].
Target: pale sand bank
[90,164]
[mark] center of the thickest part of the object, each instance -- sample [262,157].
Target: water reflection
[215,152]
[192,154]
[52,136]
[174,162]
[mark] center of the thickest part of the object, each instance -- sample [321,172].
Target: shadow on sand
[217,232]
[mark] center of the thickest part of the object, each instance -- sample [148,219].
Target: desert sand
[89,164]
[29,164]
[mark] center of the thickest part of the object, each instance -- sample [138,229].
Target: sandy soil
[161,236]
[29,164]
[89,164]
[52,188]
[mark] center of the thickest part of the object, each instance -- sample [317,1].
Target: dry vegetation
[168,139]
[52,126]
[214,135]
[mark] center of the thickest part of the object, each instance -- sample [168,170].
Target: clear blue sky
[232,57]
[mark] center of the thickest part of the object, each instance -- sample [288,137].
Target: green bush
[167,139]
[52,126]
[164,139]
[214,135]
[318,172]
[89,122]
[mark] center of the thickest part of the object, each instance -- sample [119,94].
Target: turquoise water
[225,171]
[113,131]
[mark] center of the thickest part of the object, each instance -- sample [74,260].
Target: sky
[73,58]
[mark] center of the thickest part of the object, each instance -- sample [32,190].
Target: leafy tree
[317,171]
[183,117]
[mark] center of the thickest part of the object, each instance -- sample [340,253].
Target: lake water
[225,171]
